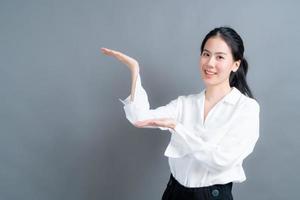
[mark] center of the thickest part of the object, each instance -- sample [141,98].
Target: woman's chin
[208,82]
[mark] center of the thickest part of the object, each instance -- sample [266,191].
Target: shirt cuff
[125,101]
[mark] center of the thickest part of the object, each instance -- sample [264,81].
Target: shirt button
[215,192]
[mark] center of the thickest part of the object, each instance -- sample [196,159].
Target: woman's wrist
[135,69]
[173,125]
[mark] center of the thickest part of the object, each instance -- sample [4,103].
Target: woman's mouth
[209,72]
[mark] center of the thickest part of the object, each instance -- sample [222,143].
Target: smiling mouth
[209,73]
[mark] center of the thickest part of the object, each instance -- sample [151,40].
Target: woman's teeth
[210,73]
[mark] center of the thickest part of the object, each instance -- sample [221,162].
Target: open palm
[160,122]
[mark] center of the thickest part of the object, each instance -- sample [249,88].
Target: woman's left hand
[161,122]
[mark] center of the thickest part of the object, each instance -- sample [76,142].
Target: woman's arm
[136,105]
[131,63]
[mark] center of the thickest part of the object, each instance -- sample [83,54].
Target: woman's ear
[236,65]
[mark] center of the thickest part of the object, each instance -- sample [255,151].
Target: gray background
[64,134]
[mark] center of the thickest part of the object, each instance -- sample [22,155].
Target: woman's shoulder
[249,102]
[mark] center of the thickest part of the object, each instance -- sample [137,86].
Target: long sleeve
[139,108]
[236,144]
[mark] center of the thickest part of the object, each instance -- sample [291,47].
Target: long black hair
[235,42]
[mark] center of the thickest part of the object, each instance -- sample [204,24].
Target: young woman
[212,131]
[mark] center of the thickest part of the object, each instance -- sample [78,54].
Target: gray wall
[64,134]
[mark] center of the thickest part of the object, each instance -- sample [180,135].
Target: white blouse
[203,153]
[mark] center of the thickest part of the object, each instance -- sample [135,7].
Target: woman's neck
[215,93]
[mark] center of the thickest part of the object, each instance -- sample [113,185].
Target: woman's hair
[235,42]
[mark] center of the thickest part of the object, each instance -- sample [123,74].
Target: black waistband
[224,187]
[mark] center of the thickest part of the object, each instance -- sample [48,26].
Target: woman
[213,131]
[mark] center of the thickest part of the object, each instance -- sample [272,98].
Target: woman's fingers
[117,54]
[130,62]
[106,51]
[162,122]
[142,123]
[145,123]
[109,52]
[150,122]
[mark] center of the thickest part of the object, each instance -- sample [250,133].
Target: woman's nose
[211,61]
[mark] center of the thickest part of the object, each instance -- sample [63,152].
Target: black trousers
[176,191]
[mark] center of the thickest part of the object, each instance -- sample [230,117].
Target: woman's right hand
[132,64]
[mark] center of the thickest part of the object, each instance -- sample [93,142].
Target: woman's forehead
[216,45]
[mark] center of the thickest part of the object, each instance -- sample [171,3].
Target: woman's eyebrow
[219,52]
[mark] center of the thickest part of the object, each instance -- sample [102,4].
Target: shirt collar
[231,98]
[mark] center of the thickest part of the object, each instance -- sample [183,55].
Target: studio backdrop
[64,135]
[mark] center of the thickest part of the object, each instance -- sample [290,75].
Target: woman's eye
[205,54]
[220,57]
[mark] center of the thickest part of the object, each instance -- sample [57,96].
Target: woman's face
[216,62]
